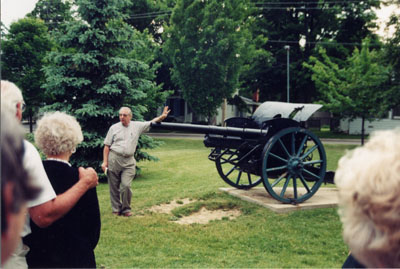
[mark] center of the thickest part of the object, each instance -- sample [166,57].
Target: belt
[121,155]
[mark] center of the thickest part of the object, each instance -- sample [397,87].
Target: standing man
[47,207]
[16,188]
[118,158]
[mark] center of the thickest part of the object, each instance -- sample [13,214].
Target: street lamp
[287,48]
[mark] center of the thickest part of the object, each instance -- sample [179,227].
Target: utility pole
[224,105]
[287,48]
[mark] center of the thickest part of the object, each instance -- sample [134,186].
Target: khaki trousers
[121,171]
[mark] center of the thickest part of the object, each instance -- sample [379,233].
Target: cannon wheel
[293,165]
[229,170]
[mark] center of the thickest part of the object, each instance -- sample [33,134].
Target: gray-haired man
[118,158]
[16,188]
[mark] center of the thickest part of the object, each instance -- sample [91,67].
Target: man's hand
[165,112]
[88,176]
[162,116]
[104,165]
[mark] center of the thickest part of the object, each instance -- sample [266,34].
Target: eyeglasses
[22,106]
[124,115]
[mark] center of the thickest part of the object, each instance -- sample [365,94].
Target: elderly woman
[368,180]
[70,241]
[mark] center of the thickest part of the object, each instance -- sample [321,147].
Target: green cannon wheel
[231,167]
[293,165]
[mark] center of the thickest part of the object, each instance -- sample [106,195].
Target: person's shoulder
[138,124]
[141,122]
[30,149]
[28,145]
[116,125]
[61,173]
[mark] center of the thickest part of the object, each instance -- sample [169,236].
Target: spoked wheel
[293,165]
[230,167]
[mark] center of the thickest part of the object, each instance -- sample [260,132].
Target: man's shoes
[127,214]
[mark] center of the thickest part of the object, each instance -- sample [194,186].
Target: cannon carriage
[272,147]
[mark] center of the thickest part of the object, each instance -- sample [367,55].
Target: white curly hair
[57,133]
[368,179]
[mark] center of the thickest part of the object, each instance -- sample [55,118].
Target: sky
[12,10]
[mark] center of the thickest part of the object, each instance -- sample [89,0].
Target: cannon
[273,146]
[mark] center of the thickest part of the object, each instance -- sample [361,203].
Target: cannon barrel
[210,129]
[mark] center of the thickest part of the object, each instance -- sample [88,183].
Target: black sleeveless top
[70,241]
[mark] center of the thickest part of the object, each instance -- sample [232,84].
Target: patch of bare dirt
[202,217]
[167,208]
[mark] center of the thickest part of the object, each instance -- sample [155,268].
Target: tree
[208,43]
[53,12]
[3,30]
[359,89]
[337,25]
[153,16]
[23,53]
[101,65]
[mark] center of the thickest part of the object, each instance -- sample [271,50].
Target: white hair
[368,179]
[57,133]
[126,108]
[10,96]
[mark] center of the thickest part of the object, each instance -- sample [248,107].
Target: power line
[149,15]
[300,8]
[321,43]
[304,5]
[311,2]
[155,14]
[168,12]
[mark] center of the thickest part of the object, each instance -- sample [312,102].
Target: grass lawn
[325,132]
[257,238]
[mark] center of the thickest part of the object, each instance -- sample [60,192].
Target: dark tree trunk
[30,122]
[362,130]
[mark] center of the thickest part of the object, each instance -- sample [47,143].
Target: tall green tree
[359,89]
[339,26]
[208,43]
[101,65]
[55,13]
[22,59]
